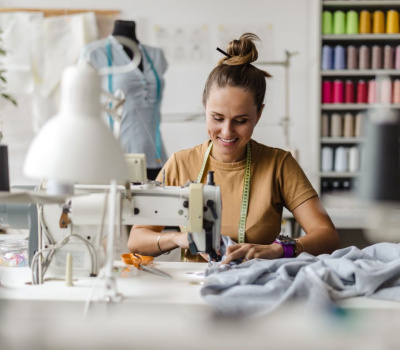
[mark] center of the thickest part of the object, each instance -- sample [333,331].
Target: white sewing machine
[82,220]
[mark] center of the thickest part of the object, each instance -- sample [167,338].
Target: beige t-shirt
[277,181]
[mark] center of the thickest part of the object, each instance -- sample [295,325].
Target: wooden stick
[62,12]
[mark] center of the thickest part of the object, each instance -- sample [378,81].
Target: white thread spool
[341,159]
[354,159]
[327,159]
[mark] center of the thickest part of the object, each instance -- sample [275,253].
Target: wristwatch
[288,244]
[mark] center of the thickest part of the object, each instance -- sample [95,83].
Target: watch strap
[289,250]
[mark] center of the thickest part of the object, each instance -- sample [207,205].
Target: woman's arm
[143,240]
[321,236]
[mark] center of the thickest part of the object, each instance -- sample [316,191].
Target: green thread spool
[352,22]
[327,22]
[339,22]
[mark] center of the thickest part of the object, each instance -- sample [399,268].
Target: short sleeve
[171,172]
[295,188]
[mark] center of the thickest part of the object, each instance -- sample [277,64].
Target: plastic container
[14,253]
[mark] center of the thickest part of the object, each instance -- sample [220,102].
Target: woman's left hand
[249,251]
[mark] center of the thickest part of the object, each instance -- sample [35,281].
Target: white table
[160,313]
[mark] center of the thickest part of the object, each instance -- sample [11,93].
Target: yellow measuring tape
[246,189]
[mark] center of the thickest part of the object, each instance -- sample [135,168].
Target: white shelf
[382,3]
[334,199]
[354,106]
[359,37]
[336,174]
[358,72]
[342,140]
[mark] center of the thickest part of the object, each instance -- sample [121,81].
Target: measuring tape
[246,189]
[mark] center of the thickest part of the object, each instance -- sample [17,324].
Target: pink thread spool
[397,58]
[348,125]
[324,125]
[372,91]
[358,128]
[337,91]
[364,57]
[385,91]
[349,91]
[376,61]
[336,125]
[352,61]
[326,91]
[388,57]
[396,91]
[362,92]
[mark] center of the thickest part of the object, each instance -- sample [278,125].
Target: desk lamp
[77,146]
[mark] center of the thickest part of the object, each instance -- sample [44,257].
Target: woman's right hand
[247,251]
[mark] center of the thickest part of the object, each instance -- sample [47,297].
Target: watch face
[286,240]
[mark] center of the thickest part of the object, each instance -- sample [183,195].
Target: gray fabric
[259,286]
[226,241]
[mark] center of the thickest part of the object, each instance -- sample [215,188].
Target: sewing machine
[77,227]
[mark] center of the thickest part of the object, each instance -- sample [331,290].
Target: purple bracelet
[287,249]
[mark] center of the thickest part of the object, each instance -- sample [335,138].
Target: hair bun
[242,51]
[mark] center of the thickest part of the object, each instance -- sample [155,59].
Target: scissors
[142,262]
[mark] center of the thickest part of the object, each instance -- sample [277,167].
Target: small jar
[14,253]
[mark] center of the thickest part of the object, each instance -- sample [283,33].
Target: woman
[233,100]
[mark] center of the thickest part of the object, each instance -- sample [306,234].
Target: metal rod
[285,121]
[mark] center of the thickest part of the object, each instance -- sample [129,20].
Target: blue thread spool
[327,57]
[339,61]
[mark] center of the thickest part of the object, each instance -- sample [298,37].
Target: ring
[245,259]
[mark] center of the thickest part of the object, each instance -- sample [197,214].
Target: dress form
[128,30]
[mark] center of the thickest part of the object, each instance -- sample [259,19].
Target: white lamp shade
[76,145]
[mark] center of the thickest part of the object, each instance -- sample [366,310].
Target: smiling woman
[231,116]
[256,181]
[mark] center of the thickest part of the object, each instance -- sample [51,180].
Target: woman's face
[231,116]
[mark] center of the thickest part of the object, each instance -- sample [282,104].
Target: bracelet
[302,246]
[158,244]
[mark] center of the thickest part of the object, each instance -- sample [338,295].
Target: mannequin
[127,29]
[143,89]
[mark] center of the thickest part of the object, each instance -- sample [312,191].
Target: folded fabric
[259,286]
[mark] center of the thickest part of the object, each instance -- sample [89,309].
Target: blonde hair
[237,70]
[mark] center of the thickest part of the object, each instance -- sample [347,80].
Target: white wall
[293,25]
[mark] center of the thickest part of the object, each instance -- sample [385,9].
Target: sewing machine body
[197,207]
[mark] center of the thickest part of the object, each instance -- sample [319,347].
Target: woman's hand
[249,251]
[181,240]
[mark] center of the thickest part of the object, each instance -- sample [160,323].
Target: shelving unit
[352,106]
[362,37]
[359,73]
[328,178]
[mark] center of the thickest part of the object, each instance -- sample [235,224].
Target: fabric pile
[260,286]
